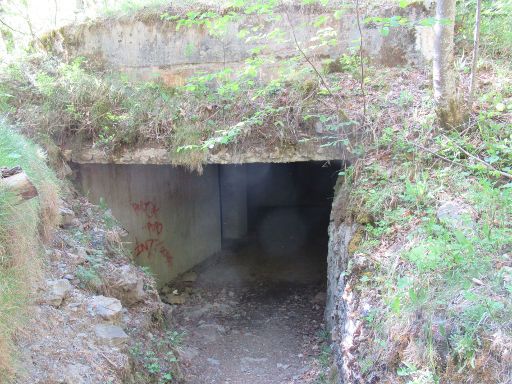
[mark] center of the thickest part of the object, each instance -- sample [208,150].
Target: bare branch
[322,80]
[11,28]
[478,159]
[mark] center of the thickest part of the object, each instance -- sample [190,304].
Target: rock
[456,215]
[174,299]
[108,308]
[189,277]
[76,374]
[126,285]
[319,298]
[67,217]
[57,291]
[110,334]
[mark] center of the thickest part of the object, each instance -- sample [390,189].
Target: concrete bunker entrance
[242,249]
[274,221]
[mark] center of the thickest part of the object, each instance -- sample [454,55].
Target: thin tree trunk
[445,92]
[476,41]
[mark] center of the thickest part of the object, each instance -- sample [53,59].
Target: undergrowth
[437,287]
[22,227]
[156,358]
[73,103]
[268,101]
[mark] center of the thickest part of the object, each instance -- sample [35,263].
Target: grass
[22,228]
[75,103]
[79,101]
[155,358]
[441,305]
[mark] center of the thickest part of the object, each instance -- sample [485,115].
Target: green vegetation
[155,359]
[79,101]
[21,228]
[441,300]
[112,112]
[495,31]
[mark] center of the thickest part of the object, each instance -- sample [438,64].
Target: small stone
[213,362]
[126,285]
[108,308]
[174,299]
[319,298]
[189,277]
[67,217]
[110,334]
[57,291]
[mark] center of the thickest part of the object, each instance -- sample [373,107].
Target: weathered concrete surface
[157,155]
[233,195]
[172,216]
[148,47]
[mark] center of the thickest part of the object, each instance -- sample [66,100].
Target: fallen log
[16,181]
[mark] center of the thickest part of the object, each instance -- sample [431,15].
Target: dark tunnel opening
[275,218]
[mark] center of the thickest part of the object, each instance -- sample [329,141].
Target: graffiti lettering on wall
[155,227]
[153,245]
[148,208]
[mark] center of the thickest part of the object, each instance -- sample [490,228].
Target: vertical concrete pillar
[233,199]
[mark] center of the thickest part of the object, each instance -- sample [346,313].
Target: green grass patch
[21,229]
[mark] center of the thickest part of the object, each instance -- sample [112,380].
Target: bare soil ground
[252,318]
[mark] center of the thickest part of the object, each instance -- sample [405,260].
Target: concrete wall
[233,187]
[172,215]
[148,47]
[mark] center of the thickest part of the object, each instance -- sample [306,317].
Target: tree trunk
[16,181]
[445,91]
[474,66]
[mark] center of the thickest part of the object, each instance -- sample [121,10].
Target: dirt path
[247,323]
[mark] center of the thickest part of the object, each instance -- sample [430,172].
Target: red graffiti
[150,246]
[145,247]
[166,254]
[155,227]
[147,208]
